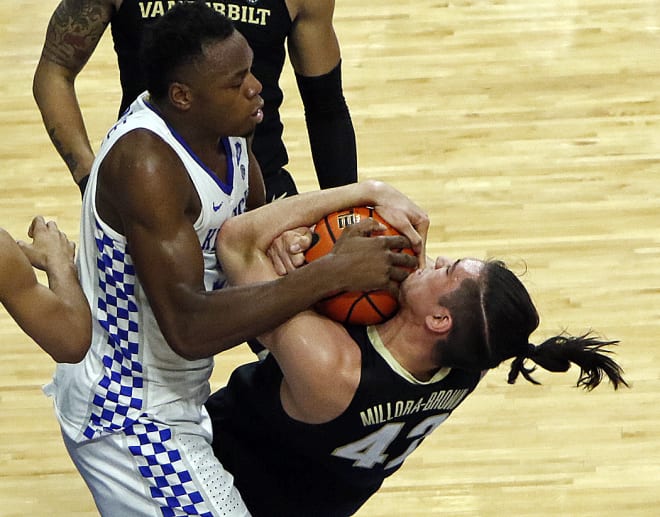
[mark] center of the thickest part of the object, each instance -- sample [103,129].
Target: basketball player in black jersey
[316,427]
[304,26]
[57,317]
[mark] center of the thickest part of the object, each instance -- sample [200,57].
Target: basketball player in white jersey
[169,173]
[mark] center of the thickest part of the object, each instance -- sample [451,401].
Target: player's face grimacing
[424,287]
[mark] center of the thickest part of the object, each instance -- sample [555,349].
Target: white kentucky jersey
[130,372]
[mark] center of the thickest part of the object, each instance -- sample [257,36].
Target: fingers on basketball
[355,307]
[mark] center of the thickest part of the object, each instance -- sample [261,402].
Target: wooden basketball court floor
[530,131]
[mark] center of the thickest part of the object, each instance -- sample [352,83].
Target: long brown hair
[493,319]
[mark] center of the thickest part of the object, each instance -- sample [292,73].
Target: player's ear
[440,321]
[180,95]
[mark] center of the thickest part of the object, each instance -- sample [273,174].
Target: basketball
[355,307]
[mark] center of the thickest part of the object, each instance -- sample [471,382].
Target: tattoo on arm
[74,31]
[68,157]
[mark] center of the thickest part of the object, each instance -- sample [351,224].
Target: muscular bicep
[313,352]
[313,46]
[169,263]
[149,198]
[321,365]
[74,31]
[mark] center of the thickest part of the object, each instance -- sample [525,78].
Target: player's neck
[205,144]
[207,148]
[411,346]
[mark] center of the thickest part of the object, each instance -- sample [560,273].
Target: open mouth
[258,114]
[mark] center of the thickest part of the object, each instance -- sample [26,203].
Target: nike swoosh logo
[217,207]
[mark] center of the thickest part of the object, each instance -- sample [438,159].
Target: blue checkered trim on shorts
[120,391]
[160,463]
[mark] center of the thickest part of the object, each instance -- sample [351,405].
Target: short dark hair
[178,38]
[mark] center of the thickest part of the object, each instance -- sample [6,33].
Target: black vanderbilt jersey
[264,23]
[283,467]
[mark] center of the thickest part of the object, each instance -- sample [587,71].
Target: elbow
[39,82]
[234,238]
[71,345]
[50,80]
[177,337]
[36,90]
[74,351]
[191,346]
[181,338]
[229,232]
[189,350]
[192,330]
[70,356]
[185,350]
[76,348]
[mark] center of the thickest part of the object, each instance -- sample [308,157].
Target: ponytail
[557,353]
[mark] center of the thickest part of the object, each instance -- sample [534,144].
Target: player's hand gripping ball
[354,307]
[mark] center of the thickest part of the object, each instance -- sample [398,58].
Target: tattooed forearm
[67,156]
[74,31]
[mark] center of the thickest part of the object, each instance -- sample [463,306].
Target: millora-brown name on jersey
[445,400]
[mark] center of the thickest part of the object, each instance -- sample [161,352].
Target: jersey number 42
[372,449]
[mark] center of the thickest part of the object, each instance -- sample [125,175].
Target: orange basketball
[355,307]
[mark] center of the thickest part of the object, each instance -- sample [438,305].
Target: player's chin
[402,296]
[412,277]
[251,122]
[248,131]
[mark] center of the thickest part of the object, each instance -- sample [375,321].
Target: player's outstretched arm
[57,317]
[269,222]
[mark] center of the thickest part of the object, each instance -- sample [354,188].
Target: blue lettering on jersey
[240,207]
[239,150]
[209,240]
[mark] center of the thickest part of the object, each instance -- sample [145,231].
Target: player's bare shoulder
[140,155]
